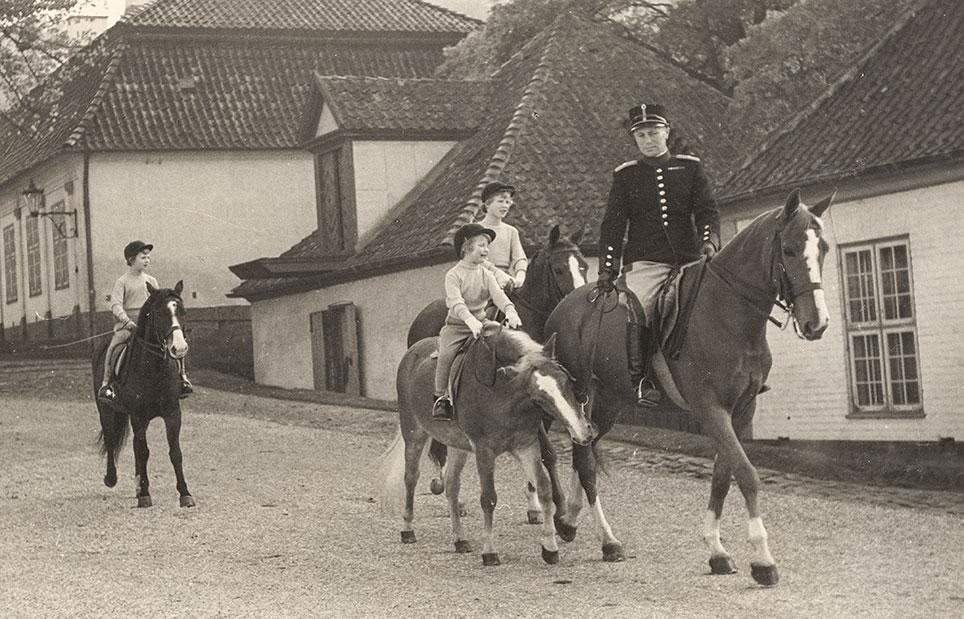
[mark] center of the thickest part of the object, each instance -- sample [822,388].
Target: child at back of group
[126,299]
[468,289]
[506,254]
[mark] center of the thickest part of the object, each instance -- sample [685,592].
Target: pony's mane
[518,349]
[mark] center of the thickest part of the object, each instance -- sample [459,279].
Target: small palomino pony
[722,364]
[507,381]
[148,386]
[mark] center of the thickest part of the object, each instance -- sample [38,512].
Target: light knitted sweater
[468,289]
[129,294]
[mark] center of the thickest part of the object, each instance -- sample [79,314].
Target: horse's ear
[506,373]
[554,235]
[576,238]
[151,289]
[178,287]
[793,203]
[820,207]
[549,348]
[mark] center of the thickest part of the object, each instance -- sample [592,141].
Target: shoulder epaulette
[623,166]
[689,157]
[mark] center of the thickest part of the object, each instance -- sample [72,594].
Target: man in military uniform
[672,218]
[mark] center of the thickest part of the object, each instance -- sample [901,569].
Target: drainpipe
[88,236]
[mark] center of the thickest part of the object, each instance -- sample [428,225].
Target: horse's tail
[114,428]
[438,453]
[391,476]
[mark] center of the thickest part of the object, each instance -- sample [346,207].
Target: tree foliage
[33,44]
[772,56]
[788,60]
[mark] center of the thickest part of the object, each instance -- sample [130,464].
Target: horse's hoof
[144,501]
[490,558]
[613,553]
[437,486]
[550,556]
[187,501]
[534,517]
[765,575]
[462,546]
[110,480]
[565,532]
[408,537]
[722,564]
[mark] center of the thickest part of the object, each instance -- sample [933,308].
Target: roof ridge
[450,11]
[846,77]
[383,78]
[107,80]
[520,116]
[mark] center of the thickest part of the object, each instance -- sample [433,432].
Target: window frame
[880,327]
[59,248]
[11,270]
[35,286]
[342,152]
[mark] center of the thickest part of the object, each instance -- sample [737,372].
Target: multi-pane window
[61,266]
[881,327]
[10,262]
[34,286]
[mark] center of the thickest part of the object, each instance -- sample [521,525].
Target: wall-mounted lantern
[36,206]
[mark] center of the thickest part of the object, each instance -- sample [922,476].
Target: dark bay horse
[554,271]
[148,387]
[508,381]
[722,365]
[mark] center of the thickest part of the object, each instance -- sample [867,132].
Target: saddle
[476,349]
[674,306]
[118,357]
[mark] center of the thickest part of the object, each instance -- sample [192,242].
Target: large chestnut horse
[720,369]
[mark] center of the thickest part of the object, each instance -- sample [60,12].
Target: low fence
[220,337]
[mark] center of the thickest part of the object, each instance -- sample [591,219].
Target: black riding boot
[639,357]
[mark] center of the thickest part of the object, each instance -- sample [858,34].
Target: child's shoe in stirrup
[442,411]
[106,393]
[647,394]
[186,388]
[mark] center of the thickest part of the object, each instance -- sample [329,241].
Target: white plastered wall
[810,397]
[203,211]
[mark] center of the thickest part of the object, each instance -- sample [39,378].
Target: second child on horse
[505,252]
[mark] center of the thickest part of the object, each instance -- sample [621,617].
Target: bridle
[160,350]
[780,283]
[553,290]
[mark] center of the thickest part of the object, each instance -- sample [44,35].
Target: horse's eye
[788,251]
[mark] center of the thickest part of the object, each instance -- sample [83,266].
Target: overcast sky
[478,9]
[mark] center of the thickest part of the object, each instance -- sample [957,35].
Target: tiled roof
[412,16]
[555,128]
[57,118]
[170,95]
[128,91]
[904,103]
[388,104]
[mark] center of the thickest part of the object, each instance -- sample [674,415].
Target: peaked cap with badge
[667,203]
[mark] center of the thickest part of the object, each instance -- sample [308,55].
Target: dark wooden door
[335,349]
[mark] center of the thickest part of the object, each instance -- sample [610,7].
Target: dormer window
[334,188]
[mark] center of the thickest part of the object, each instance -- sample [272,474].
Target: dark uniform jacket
[669,208]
